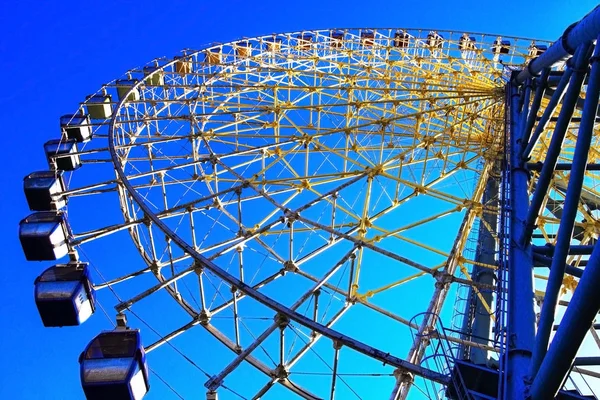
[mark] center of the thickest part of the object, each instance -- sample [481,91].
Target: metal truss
[293,193]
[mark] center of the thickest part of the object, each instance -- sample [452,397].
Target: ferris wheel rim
[116,161]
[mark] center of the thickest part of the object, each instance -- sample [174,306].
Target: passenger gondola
[113,366]
[64,295]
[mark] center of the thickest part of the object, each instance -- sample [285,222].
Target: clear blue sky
[51,56]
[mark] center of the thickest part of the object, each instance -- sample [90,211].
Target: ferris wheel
[291,212]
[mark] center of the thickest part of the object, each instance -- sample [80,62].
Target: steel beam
[575,324]
[586,30]
[587,361]
[547,114]
[567,222]
[563,166]
[547,261]
[579,69]
[521,316]
[535,106]
[575,250]
[595,327]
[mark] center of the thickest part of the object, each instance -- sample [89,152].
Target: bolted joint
[155,268]
[212,384]
[147,220]
[290,266]
[352,298]
[281,320]
[204,317]
[280,373]
[213,159]
[290,215]
[198,268]
[442,279]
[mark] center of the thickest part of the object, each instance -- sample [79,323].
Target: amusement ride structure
[344,213]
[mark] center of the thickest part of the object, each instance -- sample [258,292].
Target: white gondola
[44,236]
[99,106]
[113,366]
[125,89]
[43,190]
[62,154]
[367,38]
[154,76]
[64,295]
[500,47]
[434,40]
[336,38]
[77,126]
[401,39]
[536,50]
[304,41]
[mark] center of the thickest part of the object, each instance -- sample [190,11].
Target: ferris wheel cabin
[536,50]
[401,39]
[64,295]
[77,127]
[43,190]
[113,366]
[155,76]
[435,40]
[62,154]
[43,236]
[99,106]
[213,56]
[183,65]
[336,38]
[304,41]
[125,89]
[243,48]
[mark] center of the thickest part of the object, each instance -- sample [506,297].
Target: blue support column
[567,222]
[579,66]
[521,315]
[524,110]
[575,324]
[548,111]
[535,106]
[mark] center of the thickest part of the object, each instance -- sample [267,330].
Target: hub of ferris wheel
[308,201]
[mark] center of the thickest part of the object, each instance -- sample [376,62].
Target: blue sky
[52,56]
